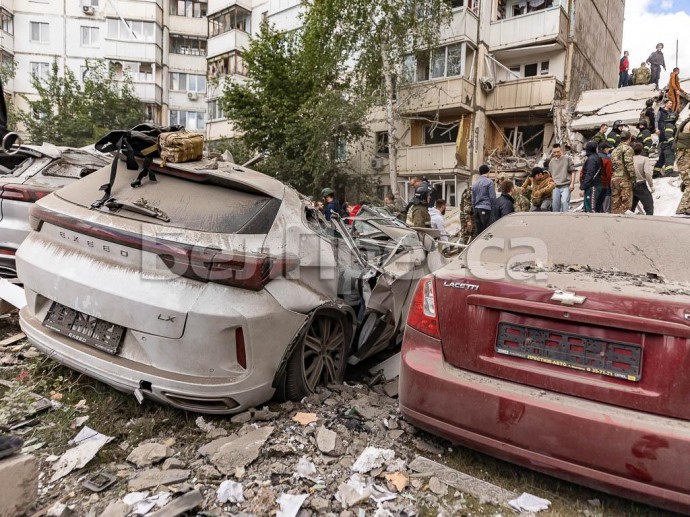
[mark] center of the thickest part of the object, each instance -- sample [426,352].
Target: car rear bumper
[203,394]
[624,452]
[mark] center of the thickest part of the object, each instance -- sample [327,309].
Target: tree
[295,110]
[73,113]
[375,35]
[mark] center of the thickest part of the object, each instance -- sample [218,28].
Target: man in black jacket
[505,204]
[590,182]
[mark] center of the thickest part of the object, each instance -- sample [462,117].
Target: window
[189,45]
[340,150]
[511,8]
[188,8]
[133,30]
[215,110]
[89,36]
[461,3]
[192,120]
[234,18]
[40,70]
[39,32]
[382,142]
[7,22]
[442,62]
[440,133]
[544,69]
[227,64]
[187,82]
[530,70]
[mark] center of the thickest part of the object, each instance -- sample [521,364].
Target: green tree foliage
[297,109]
[374,36]
[73,113]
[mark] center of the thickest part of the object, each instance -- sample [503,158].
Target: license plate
[601,356]
[84,328]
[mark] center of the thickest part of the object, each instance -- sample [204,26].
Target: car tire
[319,359]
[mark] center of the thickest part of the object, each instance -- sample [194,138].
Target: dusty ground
[358,415]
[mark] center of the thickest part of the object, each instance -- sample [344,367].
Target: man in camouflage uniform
[466,214]
[683,161]
[522,202]
[624,177]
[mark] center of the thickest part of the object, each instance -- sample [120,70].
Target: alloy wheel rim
[322,352]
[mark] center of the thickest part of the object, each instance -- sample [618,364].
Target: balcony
[148,92]
[447,95]
[133,10]
[226,42]
[523,95]
[145,52]
[185,63]
[7,42]
[187,25]
[528,29]
[218,5]
[464,25]
[426,159]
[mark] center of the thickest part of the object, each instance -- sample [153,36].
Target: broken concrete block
[116,509]
[152,478]
[19,484]
[183,504]
[241,451]
[437,486]
[213,447]
[241,418]
[173,463]
[391,388]
[326,440]
[60,510]
[148,454]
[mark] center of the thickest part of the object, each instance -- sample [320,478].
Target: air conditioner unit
[88,9]
[377,163]
[487,83]
[192,96]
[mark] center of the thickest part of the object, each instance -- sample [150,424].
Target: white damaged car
[212,290]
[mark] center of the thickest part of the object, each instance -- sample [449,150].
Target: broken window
[544,68]
[513,8]
[188,8]
[382,142]
[422,66]
[526,140]
[530,70]
[233,18]
[440,133]
[441,62]
[188,45]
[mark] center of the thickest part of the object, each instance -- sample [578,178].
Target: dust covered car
[27,174]
[561,342]
[212,288]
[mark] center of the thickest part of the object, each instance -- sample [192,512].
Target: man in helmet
[656,61]
[683,160]
[483,200]
[667,146]
[642,74]
[418,214]
[644,137]
[614,136]
[649,115]
[332,204]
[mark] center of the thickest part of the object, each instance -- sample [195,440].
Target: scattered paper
[146,505]
[529,503]
[79,421]
[398,480]
[87,444]
[230,492]
[290,504]
[305,469]
[354,491]
[305,418]
[134,497]
[372,458]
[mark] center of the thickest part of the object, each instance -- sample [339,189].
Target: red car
[561,342]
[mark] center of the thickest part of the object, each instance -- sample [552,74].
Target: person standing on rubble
[656,61]
[505,204]
[623,179]
[603,201]
[590,178]
[332,204]
[667,146]
[437,221]
[649,115]
[601,135]
[644,137]
[614,136]
[674,90]
[418,214]
[466,213]
[642,74]
[644,184]
[623,67]
[661,115]
[483,200]
[562,171]
[542,191]
[683,160]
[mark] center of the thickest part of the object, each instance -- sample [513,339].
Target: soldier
[623,179]
[522,202]
[656,61]
[644,137]
[466,214]
[418,214]
[667,141]
[683,156]
[601,135]
[641,75]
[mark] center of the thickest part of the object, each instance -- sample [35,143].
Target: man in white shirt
[437,223]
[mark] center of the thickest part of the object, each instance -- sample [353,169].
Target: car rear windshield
[651,247]
[188,204]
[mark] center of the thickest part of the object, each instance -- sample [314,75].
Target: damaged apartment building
[489,91]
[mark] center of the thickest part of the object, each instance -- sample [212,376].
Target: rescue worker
[466,214]
[656,61]
[601,135]
[590,177]
[644,137]
[522,202]
[623,67]
[674,90]
[483,200]
[418,214]
[623,179]
[642,74]
[542,191]
[683,158]
[614,136]
[667,146]
[648,114]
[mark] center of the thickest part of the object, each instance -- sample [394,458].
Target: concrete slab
[19,482]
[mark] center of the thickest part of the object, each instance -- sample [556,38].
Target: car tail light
[237,269]
[7,251]
[422,315]
[24,193]
[240,351]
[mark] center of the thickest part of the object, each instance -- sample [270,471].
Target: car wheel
[319,359]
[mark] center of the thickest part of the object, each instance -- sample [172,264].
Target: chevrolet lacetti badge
[568,298]
[461,285]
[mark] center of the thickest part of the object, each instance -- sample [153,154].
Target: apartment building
[161,44]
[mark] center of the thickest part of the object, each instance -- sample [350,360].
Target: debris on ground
[87,444]
[529,503]
[305,418]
